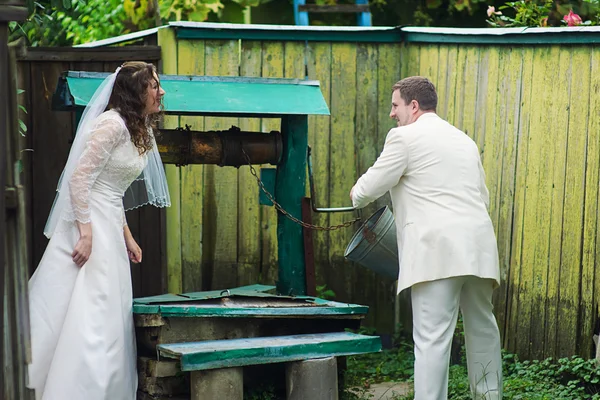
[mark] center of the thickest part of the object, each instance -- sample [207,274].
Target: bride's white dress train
[82,333]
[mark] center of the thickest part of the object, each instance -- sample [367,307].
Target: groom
[447,247]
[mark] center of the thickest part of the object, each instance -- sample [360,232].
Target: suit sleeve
[483,191]
[385,173]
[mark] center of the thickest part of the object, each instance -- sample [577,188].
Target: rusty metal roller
[183,146]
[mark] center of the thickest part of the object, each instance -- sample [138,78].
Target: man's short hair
[419,89]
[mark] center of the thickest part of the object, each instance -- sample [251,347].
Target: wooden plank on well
[507,128]
[191,62]
[168,43]
[559,122]
[254,351]
[272,67]
[319,68]
[249,210]
[541,142]
[590,219]
[570,267]
[343,167]
[220,226]
[520,199]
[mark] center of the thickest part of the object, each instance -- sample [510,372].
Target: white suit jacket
[437,184]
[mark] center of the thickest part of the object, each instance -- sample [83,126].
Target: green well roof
[216,96]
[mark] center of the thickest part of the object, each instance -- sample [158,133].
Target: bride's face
[154,94]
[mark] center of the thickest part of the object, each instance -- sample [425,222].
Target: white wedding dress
[82,333]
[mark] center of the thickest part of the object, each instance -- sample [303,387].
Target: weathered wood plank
[390,69]
[519,202]
[590,219]
[249,226]
[97,54]
[540,183]
[49,129]
[220,231]
[452,78]
[429,60]
[570,272]
[413,59]
[441,81]
[319,68]
[508,114]
[167,41]
[364,281]
[559,123]
[467,91]
[343,168]
[191,62]
[272,67]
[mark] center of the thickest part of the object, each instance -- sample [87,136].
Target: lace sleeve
[105,135]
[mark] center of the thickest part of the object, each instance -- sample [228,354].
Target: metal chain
[288,215]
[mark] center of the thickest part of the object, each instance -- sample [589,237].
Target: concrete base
[225,383]
[312,379]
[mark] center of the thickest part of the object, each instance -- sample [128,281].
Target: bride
[80,296]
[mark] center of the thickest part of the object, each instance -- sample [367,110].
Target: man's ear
[414,106]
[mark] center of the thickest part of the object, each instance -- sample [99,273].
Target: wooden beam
[12,13]
[100,54]
[337,8]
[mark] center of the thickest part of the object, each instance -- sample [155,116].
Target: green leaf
[22,127]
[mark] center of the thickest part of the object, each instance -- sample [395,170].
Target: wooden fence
[530,101]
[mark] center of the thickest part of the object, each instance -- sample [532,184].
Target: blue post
[300,17]
[363,19]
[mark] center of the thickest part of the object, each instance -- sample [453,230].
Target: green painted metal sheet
[220,96]
[499,36]
[194,30]
[250,290]
[199,311]
[214,354]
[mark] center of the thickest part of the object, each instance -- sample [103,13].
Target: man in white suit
[447,246]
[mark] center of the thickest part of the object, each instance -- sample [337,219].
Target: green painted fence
[532,106]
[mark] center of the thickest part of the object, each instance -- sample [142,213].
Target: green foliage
[261,392]
[571,378]
[543,13]
[70,22]
[324,293]
[527,13]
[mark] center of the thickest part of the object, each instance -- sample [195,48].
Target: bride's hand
[133,250]
[83,247]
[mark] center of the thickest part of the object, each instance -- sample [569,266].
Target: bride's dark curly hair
[129,99]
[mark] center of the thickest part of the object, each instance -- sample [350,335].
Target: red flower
[572,19]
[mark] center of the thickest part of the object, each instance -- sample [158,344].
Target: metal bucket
[375,246]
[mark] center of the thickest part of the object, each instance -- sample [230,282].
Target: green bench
[311,365]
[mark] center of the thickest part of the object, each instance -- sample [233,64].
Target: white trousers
[435,307]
